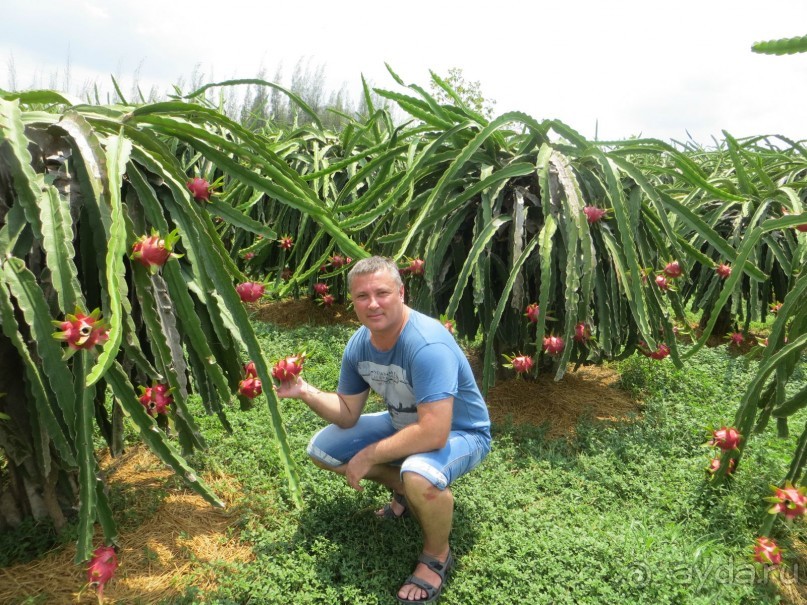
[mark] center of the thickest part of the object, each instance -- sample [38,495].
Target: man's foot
[395,509]
[426,583]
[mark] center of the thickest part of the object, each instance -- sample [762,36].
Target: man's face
[378,302]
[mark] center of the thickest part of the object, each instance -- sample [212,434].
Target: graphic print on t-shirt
[390,382]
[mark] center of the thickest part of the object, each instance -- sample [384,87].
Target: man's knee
[340,469]
[418,487]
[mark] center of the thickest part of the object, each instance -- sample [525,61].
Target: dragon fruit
[673,269]
[714,465]
[737,338]
[337,261]
[661,282]
[249,255]
[249,370]
[520,363]
[726,438]
[250,388]
[532,313]
[582,333]
[449,325]
[790,501]
[416,266]
[321,288]
[594,214]
[327,300]
[767,552]
[660,353]
[776,307]
[156,398]
[723,270]
[286,242]
[200,189]
[802,228]
[82,331]
[289,367]
[250,291]
[153,251]
[101,568]
[553,345]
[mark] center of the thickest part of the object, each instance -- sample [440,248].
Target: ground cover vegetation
[141,230]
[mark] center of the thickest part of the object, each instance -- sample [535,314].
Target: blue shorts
[333,446]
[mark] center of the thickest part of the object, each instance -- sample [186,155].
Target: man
[435,429]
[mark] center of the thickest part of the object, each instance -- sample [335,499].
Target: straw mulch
[589,392]
[176,533]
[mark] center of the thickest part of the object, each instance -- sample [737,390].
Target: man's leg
[434,510]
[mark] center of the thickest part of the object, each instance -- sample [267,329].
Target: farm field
[605,502]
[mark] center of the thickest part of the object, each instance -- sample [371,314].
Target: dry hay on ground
[158,557]
[292,313]
[588,392]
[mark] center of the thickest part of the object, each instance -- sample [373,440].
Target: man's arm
[341,410]
[430,432]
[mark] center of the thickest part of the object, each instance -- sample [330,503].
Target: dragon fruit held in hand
[289,367]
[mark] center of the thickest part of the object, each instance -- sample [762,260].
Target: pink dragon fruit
[200,189]
[594,214]
[327,300]
[250,388]
[101,568]
[520,363]
[582,333]
[289,367]
[416,266]
[449,325]
[153,251]
[249,370]
[553,345]
[737,338]
[321,288]
[723,270]
[660,353]
[156,398]
[790,501]
[661,282]
[714,465]
[532,313]
[250,291]
[82,331]
[249,255]
[673,269]
[767,552]
[338,261]
[776,307]
[286,242]
[802,228]
[726,438]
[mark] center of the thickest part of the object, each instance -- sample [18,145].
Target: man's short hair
[374,264]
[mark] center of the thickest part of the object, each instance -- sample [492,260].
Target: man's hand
[291,389]
[358,467]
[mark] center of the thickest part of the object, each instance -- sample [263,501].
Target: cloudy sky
[623,68]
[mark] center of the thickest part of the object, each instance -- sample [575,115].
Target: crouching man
[435,429]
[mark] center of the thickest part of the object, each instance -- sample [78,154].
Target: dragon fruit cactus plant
[289,367]
[101,568]
[522,364]
[250,291]
[153,251]
[156,398]
[789,500]
[82,331]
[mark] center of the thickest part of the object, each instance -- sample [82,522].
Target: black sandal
[437,566]
[388,513]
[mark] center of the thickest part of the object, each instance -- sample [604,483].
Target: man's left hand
[357,469]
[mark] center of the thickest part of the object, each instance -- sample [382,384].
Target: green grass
[621,514]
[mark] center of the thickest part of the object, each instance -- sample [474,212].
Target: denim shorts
[334,446]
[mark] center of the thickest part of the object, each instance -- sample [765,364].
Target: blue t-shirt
[425,365]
